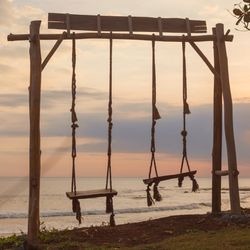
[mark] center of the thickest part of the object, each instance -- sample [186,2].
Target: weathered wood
[188,26]
[160,26]
[228,121]
[217,135]
[167,177]
[204,58]
[99,25]
[53,50]
[221,172]
[91,194]
[68,23]
[122,23]
[130,25]
[121,36]
[34,112]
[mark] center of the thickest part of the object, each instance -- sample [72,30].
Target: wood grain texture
[35,150]
[91,194]
[121,36]
[228,121]
[221,172]
[217,134]
[122,23]
[168,177]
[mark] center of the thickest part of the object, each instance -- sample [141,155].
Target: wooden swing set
[132,28]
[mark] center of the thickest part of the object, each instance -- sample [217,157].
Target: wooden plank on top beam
[121,23]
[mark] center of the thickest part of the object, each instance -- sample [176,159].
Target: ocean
[130,205]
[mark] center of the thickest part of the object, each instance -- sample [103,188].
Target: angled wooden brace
[53,50]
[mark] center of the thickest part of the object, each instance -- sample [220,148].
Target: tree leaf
[247,17]
[237,12]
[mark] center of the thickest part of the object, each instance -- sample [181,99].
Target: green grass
[12,242]
[232,238]
[228,239]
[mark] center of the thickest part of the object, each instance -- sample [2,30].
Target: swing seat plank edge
[168,177]
[88,194]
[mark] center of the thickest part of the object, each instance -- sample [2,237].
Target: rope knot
[156,194]
[195,186]
[109,204]
[184,133]
[156,114]
[74,126]
[76,208]
[180,180]
[73,116]
[150,200]
[186,109]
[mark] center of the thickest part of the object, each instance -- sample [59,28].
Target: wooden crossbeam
[121,36]
[88,194]
[168,177]
[123,23]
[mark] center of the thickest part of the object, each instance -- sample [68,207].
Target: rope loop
[109,119]
[184,132]
[74,125]
[155,114]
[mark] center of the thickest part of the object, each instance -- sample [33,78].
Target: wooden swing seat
[88,194]
[168,177]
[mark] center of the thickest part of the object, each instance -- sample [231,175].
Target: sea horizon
[130,205]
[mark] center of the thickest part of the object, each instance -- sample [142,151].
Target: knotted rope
[186,111]
[75,202]
[155,116]
[109,199]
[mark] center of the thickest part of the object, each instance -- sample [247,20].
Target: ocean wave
[13,215]
[244,189]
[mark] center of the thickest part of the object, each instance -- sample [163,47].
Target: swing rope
[155,116]
[75,202]
[109,199]
[186,111]
[109,196]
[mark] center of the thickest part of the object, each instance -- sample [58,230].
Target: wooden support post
[217,135]
[228,121]
[35,157]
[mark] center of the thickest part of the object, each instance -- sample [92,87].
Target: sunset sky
[132,92]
